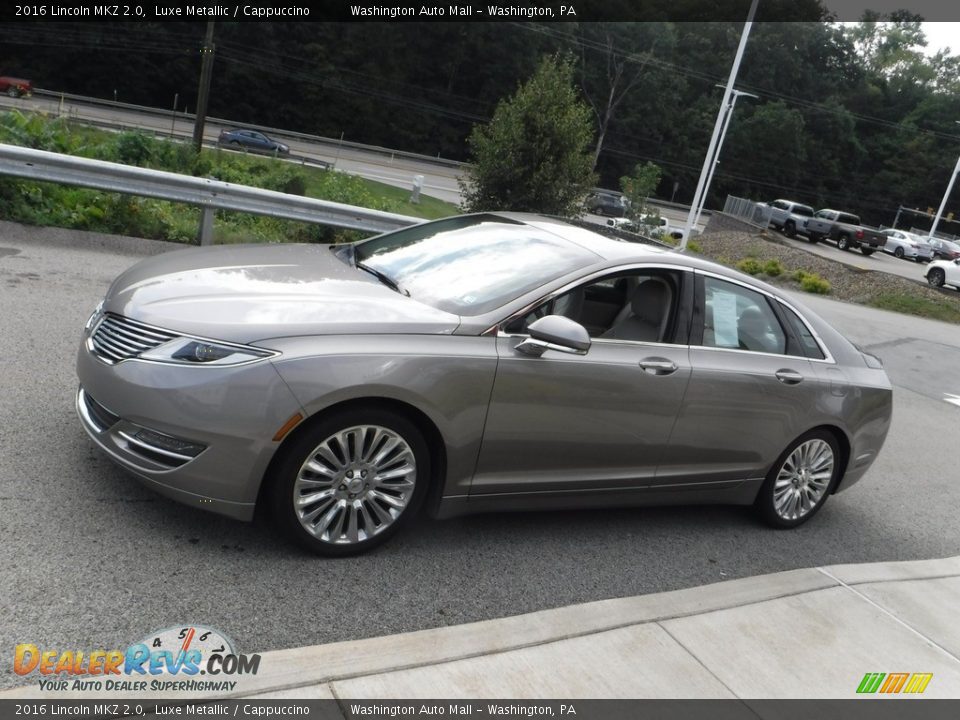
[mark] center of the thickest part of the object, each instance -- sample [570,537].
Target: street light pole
[946,195]
[711,150]
[716,157]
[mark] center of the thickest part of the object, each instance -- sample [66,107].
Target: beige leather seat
[644,318]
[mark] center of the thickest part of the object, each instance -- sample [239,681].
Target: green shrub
[798,275]
[773,268]
[694,246]
[813,283]
[134,148]
[750,265]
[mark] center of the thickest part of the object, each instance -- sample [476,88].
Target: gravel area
[847,283]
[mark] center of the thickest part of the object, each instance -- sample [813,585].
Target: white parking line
[952,399]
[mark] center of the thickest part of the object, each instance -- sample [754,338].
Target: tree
[639,186]
[534,155]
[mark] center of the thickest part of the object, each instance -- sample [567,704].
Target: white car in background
[944,272]
[652,225]
[903,244]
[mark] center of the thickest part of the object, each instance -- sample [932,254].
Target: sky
[941,35]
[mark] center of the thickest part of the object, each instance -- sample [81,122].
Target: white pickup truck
[788,216]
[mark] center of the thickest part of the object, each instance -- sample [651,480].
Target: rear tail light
[859,234]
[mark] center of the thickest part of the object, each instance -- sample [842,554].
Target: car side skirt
[726,492]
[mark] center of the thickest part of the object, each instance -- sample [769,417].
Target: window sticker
[725,319]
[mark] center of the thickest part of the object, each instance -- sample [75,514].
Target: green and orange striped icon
[891,683]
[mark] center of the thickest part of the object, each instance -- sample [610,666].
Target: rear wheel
[936,277]
[12,92]
[843,243]
[898,253]
[867,251]
[800,480]
[351,481]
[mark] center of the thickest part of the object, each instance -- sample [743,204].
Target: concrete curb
[283,672]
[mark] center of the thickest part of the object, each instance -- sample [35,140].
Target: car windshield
[472,264]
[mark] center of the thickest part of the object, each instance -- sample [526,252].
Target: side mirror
[555,332]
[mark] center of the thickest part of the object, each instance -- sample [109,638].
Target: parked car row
[793,218]
[843,228]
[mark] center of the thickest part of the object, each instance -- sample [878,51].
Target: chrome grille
[119,338]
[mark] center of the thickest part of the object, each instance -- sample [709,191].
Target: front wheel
[351,481]
[13,92]
[867,251]
[936,277]
[790,230]
[800,480]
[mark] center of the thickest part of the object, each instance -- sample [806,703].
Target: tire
[936,277]
[814,238]
[333,458]
[898,253]
[790,229]
[12,92]
[867,251]
[843,243]
[800,480]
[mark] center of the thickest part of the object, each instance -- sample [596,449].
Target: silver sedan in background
[479,363]
[904,244]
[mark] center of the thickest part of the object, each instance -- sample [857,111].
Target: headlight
[189,351]
[92,320]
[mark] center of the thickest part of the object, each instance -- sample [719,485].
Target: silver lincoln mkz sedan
[477,363]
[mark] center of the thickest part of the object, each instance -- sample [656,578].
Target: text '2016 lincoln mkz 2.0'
[478,363]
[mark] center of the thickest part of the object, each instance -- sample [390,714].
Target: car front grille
[119,338]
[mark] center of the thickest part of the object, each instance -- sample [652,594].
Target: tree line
[857,117]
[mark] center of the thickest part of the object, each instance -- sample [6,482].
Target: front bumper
[223,418]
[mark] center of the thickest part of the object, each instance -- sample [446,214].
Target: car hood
[244,293]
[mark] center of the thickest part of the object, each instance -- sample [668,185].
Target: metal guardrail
[207,194]
[748,210]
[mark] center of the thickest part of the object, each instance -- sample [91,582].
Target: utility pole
[203,94]
[712,149]
[946,196]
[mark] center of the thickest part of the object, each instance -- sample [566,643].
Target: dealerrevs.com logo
[187,651]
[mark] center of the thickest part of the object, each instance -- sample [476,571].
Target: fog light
[168,443]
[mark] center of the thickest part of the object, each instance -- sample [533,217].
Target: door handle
[789,377]
[658,366]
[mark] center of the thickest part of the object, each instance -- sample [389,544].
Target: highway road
[398,169]
[93,560]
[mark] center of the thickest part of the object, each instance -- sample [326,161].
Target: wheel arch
[843,443]
[426,426]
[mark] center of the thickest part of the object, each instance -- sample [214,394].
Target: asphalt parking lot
[93,560]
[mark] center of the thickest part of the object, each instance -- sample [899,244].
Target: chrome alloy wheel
[355,484]
[803,479]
